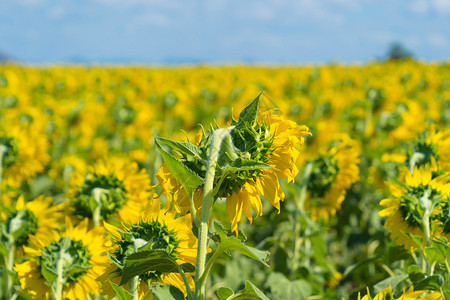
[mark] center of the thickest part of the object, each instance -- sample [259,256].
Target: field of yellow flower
[232,182]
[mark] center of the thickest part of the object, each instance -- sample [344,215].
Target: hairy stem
[208,194]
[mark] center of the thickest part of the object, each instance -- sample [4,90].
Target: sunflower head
[422,152]
[112,195]
[111,188]
[147,235]
[75,259]
[10,150]
[324,172]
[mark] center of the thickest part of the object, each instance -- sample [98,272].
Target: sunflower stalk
[59,282]
[300,205]
[96,215]
[3,150]
[9,267]
[219,136]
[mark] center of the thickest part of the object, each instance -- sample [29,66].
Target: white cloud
[437,40]
[442,6]
[419,6]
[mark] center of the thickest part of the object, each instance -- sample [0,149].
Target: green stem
[3,150]
[218,137]
[9,268]
[57,291]
[186,283]
[300,205]
[211,262]
[135,280]
[96,214]
[448,271]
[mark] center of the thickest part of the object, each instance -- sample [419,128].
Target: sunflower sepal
[249,113]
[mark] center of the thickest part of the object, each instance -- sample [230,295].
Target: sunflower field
[225,182]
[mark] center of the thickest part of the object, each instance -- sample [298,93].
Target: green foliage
[183,174]
[283,288]
[143,262]
[165,292]
[229,242]
[120,292]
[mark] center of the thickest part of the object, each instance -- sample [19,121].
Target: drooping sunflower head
[115,187]
[80,252]
[419,195]
[37,217]
[330,175]
[154,230]
[430,146]
[254,151]
[10,150]
[23,152]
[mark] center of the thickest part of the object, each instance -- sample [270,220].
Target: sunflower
[84,260]
[410,294]
[431,145]
[332,173]
[276,144]
[405,210]
[23,153]
[113,188]
[153,229]
[270,141]
[37,217]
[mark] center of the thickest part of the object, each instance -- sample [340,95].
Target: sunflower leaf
[120,292]
[283,288]
[224,293]
[165,292]
[230,242]
[183,174]
[145,261]
[185,147]
[250,292]
[249,113]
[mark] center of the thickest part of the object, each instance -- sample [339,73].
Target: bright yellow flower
[333,174]
[164,231]
[39,218]
[402,210]
[24,152]
[85,260]
[124,190]
[282,157]
[410,294]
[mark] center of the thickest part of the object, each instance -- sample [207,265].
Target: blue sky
[221,31]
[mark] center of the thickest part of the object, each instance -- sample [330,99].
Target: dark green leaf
[185,147]
[121,293]
[415,273]
[283,288]
[228,243]
[433,282]
[183,174]
[353,267]
[165,292]
[251,292]
[249,113]
[224,293]
[145,261]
